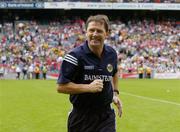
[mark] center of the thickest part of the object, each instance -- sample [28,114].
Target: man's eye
[99,31]
[91,30]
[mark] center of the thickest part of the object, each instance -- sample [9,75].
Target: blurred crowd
[148,45]
[118,1]
[33,48]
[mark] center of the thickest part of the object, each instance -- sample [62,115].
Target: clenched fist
[96,86]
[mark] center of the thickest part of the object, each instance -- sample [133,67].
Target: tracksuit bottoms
[92,120]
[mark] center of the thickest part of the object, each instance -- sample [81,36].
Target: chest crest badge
[109,68]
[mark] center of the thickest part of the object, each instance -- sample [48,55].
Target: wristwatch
[116,91]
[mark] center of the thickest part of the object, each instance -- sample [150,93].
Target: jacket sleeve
[68,68]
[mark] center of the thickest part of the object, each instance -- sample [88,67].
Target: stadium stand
[31,39]
[118,1]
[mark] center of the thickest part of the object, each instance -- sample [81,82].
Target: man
[89,74]
[44,71]
[2,70]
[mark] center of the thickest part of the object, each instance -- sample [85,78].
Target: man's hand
[96,86]
[118,104]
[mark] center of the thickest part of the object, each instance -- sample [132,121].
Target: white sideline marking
[152,99]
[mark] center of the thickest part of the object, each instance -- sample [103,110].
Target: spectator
[2,71]
[18,72]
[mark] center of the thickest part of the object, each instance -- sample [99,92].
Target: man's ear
[107,34]
[86,34]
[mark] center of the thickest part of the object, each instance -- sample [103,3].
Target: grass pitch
[35,106]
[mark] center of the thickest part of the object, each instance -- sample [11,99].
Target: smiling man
[89,74]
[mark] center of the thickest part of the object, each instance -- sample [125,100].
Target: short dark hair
[99,18]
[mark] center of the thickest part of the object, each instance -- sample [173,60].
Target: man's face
[96,33]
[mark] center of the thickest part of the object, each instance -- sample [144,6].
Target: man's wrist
[116,91]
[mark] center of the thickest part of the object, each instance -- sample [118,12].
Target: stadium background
[24,24]
[149,105]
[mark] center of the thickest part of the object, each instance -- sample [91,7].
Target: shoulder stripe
[68,55]
[68,58]
[71,62]
[71,59]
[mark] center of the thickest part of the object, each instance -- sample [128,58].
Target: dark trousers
[18,75]
[44,75]
[37,75]
[92,121]
[140,75]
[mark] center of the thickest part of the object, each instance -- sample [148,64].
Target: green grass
[35,106]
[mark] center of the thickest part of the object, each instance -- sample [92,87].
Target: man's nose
[95,33]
